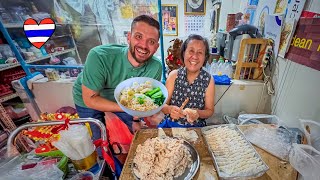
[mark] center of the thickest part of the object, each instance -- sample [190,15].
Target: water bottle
[213,67]
[230,70]
[220,70]
[207,67]
[224,68]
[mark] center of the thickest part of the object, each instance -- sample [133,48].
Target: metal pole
[161,44]
[55,66]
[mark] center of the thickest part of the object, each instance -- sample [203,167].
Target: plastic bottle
[213,67]
[230,70]
[227,68]
[207,67]
[224,68]
[220,70]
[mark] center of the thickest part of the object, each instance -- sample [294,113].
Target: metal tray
[189,173]
[227,176]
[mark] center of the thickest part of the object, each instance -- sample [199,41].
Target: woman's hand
[176,112]
[192,115]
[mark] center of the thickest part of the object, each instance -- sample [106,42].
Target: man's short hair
[146,19]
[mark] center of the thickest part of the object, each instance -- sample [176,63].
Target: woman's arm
[209,102]
[174,111]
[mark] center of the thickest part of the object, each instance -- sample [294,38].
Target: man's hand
[176,112]
[156,118]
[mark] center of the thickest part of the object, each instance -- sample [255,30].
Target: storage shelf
[13,25]
[9,66]
[19,121]
[20,25]
[8,97]
[52,54]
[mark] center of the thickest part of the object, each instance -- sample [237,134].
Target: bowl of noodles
[141,96]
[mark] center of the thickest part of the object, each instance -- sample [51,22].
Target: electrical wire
[223,94]
[267,78]
[268,82]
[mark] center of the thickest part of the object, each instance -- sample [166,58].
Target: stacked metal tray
[234,156]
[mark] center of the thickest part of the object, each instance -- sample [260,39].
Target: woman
[191,86]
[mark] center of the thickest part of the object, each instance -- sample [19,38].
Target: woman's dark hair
[195,37]
[146,19]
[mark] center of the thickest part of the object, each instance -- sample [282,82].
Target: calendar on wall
[194,25]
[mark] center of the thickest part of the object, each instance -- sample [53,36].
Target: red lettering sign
[305,45]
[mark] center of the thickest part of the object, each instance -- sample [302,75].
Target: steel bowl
[189,172]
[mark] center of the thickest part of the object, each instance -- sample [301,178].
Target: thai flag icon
[38,34]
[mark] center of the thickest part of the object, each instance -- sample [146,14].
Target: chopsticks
[184,104]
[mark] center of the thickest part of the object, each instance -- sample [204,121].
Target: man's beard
[133,54]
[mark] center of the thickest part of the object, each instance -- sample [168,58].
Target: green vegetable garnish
[153,91]
[156,95]
[141,100]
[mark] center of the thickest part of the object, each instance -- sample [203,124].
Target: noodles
[133,97]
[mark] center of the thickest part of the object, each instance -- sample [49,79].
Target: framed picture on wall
[169,19]
[195,7]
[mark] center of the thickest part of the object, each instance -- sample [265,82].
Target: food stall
[228,150]
[278,169]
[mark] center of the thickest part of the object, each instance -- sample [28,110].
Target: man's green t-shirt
[108,65]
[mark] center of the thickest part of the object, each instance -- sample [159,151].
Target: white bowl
[128,83]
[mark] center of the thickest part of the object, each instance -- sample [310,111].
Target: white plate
[128,83]
[195,4]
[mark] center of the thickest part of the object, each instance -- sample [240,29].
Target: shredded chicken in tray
[161,158]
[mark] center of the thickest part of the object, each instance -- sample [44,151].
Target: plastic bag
[75,142]
[119,134]
[314,136]
[222,80]
[259,119]
[62,16]
[276,141]
[39,172]
[306,160]
[69,61]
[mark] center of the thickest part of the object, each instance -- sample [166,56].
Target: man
[108,65]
